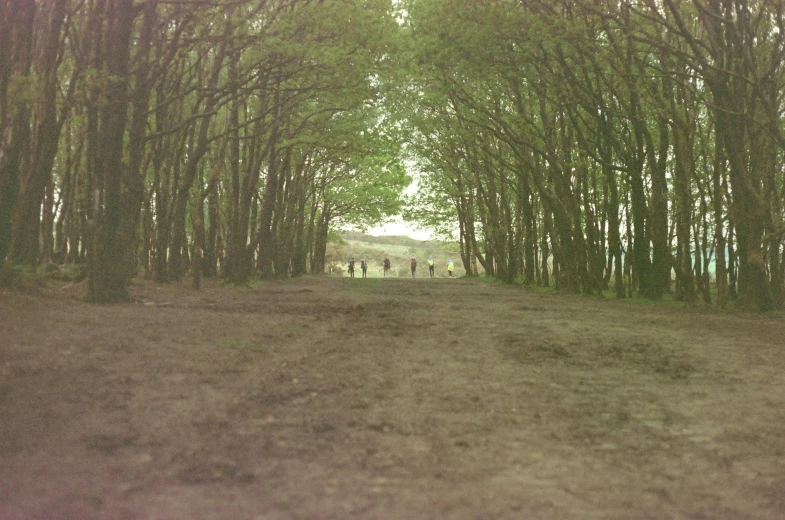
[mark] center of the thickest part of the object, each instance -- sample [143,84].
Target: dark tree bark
[266,234]
[720,254]
[16,36]
[107,276]
[27,219]
[133,181]
[683,152]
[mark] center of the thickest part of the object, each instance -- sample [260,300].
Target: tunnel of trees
[630,145]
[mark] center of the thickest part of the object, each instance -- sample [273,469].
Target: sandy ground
[385,398]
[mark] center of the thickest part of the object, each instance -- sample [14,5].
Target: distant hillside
[397,248]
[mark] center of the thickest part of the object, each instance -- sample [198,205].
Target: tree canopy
[581,142]
[630,145]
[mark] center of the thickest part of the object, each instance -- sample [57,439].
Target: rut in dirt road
[386,398]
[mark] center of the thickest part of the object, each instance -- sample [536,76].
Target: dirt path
[392,398]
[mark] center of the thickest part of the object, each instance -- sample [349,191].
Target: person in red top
[413,263]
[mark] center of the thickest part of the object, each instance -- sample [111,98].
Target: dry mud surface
[385,398]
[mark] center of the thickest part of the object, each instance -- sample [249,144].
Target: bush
[70,272]
[19,276]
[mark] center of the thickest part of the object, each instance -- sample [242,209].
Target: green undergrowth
[19,277]
[26,277]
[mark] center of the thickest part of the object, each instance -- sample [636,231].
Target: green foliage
[23,90]
[20,277]
[71,272]
[564,124]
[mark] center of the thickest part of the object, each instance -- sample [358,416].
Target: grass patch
[293,329]
[239,344]
[231,343]
[362,288]
[360,283]
[283,329]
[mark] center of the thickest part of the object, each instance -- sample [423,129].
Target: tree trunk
[683,150]
[107,276]
[27,222]
[266,236]
[16,36]
[720,269]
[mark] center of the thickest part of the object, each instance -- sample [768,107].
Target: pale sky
[400,228]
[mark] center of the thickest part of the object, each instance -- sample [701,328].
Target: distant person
[413,264]
[364,267]
[351,267]
[450,268]
[430,266]
[386,266]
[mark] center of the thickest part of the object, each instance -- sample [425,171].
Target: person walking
[430,266]
[450,268]
[364,267]
[351,267]
[386,266]
[413,264]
